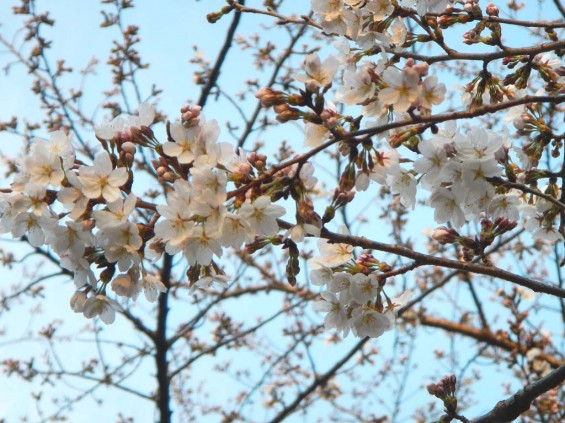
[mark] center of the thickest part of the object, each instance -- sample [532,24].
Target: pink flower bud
[445,235]
[492,10]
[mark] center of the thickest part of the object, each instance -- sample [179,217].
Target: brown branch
[483,57]
[249,124]
[162,346]
[318,382]
[526,189]
[467,114]
[215,74]
[444,117]
[560,7]
[218,345]
[450,275]
[511,408]
[282,19]
[484,336]
[446,263]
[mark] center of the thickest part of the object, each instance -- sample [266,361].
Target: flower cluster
[90,217]
[370,21]
[354,299]
[464,171]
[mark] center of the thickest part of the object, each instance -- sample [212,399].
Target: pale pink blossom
[101,179]
[261,215]
[102,306]
[332,254]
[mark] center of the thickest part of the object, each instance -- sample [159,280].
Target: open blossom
[83,274]
[431,163]
[152,286]
[335,317]
[336,19]
[209,282]
[71,238]
[431,93]
[101,179]
[401,88]
[321,276]
[427,6]
[357,87]
[189,142]
[478,144]
[318,74]
[332,254]
[118,212]
[369,322]
[235,230]
[121,244]
[379,9]
[447,204]
[403,182]
[72,197]
[315,135]
[201,246]
[102,306]
[505,206]
[31,225]
[261,215]
[108,129]
[77,301]
[125,285]
[386,162]
[43,168]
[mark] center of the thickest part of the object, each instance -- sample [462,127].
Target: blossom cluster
[370,22]
[465,170]
[354,298]
[88,215]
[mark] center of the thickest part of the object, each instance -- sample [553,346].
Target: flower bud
[77,301]
[270,97]
[445,235]
[285,113]
[128,147]
[492,10]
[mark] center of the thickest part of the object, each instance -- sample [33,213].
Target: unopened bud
[190,115]
[161,170]
[128,147]
[492,10]
[270,97]
[285,113]
[445,235]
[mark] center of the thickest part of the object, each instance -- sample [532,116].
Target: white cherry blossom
[261,215]
[318,74]
[108,129]
[336,316]
[101,179]
[401,88]
[102,306]
[332,254]
[366,321]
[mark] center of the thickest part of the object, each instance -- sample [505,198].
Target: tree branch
[214,75]
[511,408]
[443,262]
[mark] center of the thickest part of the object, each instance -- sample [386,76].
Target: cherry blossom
[332,255]
[261,215]
[318,74]
[102,306]
[108,129]
[101,179]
